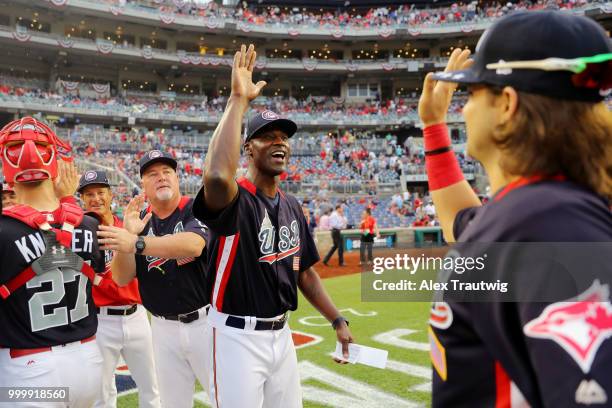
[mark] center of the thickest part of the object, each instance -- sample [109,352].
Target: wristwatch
[140,245]
[339,320]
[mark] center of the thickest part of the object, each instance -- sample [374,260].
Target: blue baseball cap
[266,120]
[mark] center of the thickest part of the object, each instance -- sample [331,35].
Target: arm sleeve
[462,220]
[192,224]
[97,256]
[224,222]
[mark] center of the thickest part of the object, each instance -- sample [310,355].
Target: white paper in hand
[363,354]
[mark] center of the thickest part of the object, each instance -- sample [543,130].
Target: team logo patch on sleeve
[437,352]
[579,325]
[441,315]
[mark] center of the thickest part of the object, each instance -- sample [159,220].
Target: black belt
[240,323]
[119,312]
[183,318]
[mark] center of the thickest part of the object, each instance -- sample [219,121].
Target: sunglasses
[588,72]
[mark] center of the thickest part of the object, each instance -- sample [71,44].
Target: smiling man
[123,326]
[164,247]
[261,252]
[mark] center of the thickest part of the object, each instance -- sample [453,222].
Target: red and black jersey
[539,354]
[173,286]
[52,308]
[108,293]
[257,250]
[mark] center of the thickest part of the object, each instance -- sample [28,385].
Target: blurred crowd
[355,18]
[310,108]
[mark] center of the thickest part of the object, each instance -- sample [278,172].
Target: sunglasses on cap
[588,72]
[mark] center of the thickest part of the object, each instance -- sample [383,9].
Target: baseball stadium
[129,82]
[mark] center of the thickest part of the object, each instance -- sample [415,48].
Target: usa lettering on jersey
[288,244]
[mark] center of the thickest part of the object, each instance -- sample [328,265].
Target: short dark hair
[338,206]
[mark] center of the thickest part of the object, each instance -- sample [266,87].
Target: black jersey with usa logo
[55,307]
[173,286]
[257,250]
[538,354]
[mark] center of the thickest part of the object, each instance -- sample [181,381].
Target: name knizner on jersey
[32,246]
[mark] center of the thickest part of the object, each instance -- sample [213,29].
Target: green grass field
[397,327]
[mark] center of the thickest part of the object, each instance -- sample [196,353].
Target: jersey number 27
[58,316]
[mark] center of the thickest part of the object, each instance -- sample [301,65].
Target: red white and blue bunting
[101,88]
[337,32]
[212,22]
[310,64]
[386,32]
[21,34]
[338,100]
[414,31]
[116,10]
[351,67]
[293,32]
[467,28]
[69,85]
[105,47]
[261,63]
[182,56]
[166,15]
[179,3]
[388,66]
[59,3]
[147,52]
[65,42]
[244,27]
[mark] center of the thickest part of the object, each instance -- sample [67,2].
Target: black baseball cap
[155,156]
[91,177]
[535,36]
[268,119]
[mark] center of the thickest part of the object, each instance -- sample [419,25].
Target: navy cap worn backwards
[266,120]
[156,156]
[91,177]
[535,36]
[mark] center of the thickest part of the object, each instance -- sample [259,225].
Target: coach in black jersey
[536,121]
[261,252]
[163,246]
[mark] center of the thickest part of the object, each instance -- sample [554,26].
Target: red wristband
[68,200]
[436,137]
[442,169]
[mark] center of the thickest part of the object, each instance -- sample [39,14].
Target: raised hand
[437,95]
[131,216]
[67,180]
[242,74]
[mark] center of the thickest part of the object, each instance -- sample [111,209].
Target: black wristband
[339,320]
[438,151]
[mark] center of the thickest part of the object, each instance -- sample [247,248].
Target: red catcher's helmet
[29,151]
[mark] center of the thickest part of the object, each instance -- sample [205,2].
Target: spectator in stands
[337,222]
[369,230]
[8,196]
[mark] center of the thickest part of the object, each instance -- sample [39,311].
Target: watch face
[140,244]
